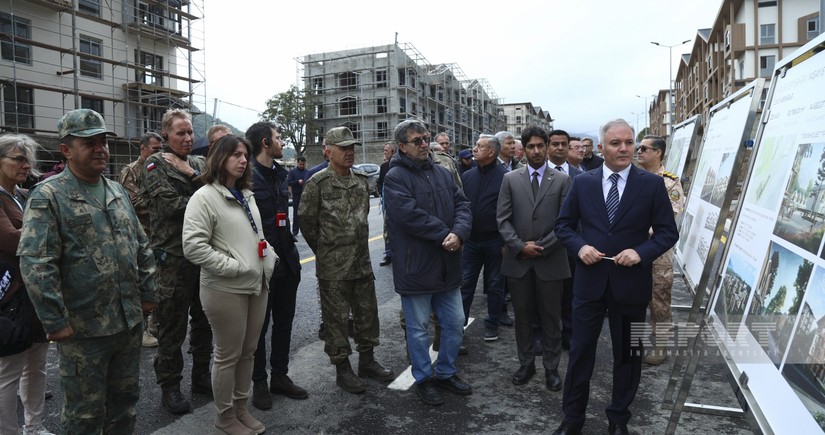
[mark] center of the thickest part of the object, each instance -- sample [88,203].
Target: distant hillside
[203,121]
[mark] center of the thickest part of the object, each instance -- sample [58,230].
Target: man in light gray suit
[534,262]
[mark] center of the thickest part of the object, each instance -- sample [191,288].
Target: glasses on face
[644,148]
[420,141]
[577,148]
[20,160]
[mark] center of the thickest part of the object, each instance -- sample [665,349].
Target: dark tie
[612,202]
[559,168]
[535,183]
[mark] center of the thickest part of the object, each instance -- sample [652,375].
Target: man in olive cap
[89,272]
[333,212]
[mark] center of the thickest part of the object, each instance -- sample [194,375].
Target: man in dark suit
[615,207]
[534,261]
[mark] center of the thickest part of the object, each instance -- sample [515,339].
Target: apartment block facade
[520,115]
[746,40]
[127,59]
[371,89]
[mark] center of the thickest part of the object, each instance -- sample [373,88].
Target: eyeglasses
[21,160]
[644,148]
[577,148]
[420,141]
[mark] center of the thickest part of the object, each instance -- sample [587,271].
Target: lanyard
[245,204]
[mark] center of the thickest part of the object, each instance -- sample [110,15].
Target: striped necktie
[612,202]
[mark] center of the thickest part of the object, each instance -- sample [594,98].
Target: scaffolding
[130,60]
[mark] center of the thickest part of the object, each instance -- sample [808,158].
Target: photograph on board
[801,218]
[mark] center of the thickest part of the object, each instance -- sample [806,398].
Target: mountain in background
[202,121]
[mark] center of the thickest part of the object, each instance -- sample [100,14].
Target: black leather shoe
[428,393]
[617,429]
[523,374]
[463,350]
[282,384]
[455,384]
[553,380]
[505,319]
[569,428]
[385,261]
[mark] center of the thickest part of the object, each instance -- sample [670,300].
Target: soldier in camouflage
[170,180]
[333,212]
[650,154]
[89,271]
[131,178]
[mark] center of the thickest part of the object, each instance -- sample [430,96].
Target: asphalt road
[496,406]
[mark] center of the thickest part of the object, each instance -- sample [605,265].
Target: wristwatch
[196,174]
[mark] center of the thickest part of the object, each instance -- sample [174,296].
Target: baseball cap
[82,123]
[465,154]
[340,136]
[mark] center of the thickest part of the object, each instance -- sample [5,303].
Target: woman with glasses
[22,363]
[222,234]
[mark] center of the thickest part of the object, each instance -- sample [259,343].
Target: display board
[681,144]
[728,126]
[768,310]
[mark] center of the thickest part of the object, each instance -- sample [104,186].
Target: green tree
[802,275]
[773,267]
[778,301]
[292,111]
[642,133]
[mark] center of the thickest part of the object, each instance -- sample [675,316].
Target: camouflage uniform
[131,178]
[334,223]
[89,266]
[167,192]
[443,159]
[663,266]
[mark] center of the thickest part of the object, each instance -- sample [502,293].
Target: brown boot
[346,379]
[369,367]
[656,357]
[246,419]
[228,424]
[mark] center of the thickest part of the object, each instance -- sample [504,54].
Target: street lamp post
[670,80]
[646,110]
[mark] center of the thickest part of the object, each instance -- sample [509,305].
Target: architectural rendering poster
[683,137]
[775,255]
[722,141]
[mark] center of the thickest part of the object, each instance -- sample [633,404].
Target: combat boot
[228,424]
[246,419]
[201,379]
[369,367]
[346,379]
[174,402]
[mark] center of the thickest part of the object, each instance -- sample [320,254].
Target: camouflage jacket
[441,158]
[85,264]
[167,192]
[333,214]
[131,178]
[674,190]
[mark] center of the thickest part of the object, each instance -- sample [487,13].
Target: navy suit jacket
[644,205]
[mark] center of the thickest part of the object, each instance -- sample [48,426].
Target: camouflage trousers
[338,298]
[179,299]
[100,377]
[662,284]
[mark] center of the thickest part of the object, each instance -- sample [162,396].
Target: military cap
[340,136]
[82,123]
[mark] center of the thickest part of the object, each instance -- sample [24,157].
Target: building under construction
[370,90]
[130,60]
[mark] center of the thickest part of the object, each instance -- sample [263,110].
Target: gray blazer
[522,218]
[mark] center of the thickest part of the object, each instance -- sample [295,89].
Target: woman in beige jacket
[222,234]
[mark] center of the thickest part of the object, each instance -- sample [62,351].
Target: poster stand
[760,383]
[748,99]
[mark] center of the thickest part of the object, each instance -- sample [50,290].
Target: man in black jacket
[429,218]
[272,197]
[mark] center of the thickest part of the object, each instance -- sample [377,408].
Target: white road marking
[405,380]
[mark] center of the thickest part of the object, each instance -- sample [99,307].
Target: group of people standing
[208,242]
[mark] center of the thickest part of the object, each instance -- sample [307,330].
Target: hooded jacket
[423,206]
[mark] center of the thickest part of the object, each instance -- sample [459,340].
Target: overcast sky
[583,61]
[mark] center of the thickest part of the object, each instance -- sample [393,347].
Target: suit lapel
[546,181]
[598,194]
[631,192]
[524,180]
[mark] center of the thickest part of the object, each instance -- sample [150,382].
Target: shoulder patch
[39,204]
[151,167]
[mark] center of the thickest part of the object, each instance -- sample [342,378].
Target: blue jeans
[474,256]
[417,309]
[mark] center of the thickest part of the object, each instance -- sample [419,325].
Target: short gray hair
[25,144]
[408,126]
[492,142]
[503,135]
[613,123]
